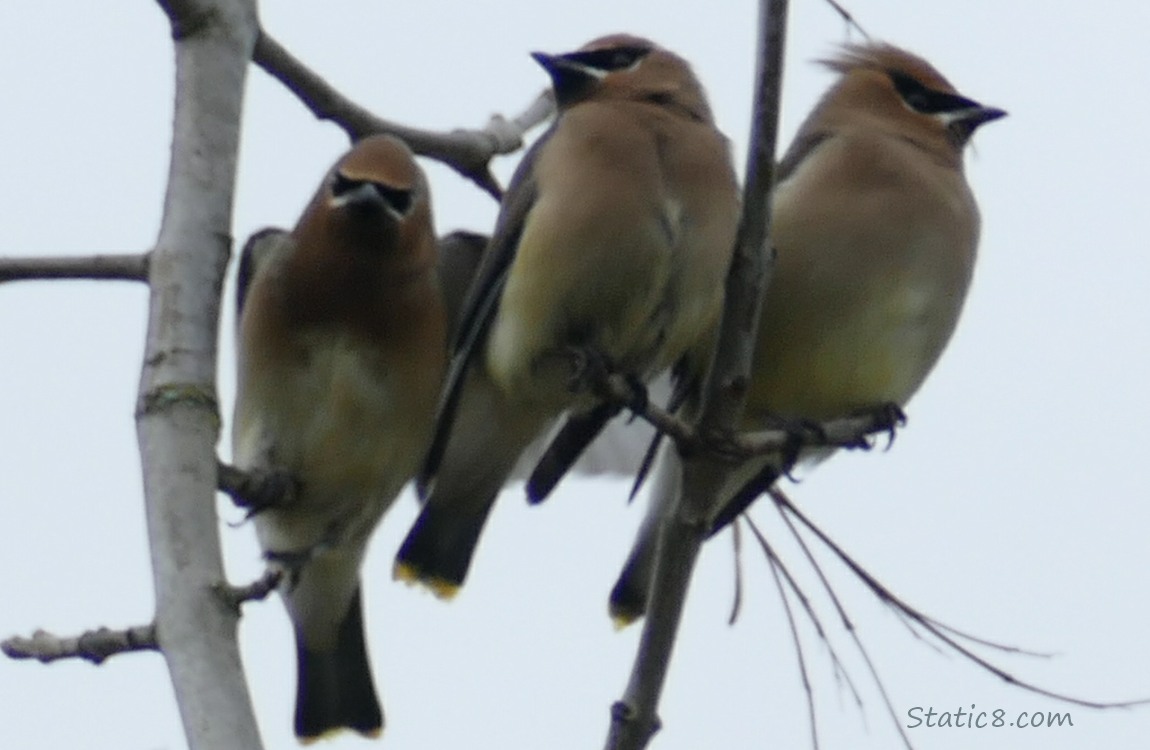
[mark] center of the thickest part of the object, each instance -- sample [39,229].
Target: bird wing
[482,303]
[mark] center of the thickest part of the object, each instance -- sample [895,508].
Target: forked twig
[949,636]
[842,675]
[774,565]
[468,152]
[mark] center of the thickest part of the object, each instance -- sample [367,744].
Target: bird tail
[437,551]
[578,432]
[335,688]
[485,442]
[628,600]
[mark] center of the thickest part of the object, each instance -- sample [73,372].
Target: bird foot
[888,417]
[589,368]
[258,490]
[292,562]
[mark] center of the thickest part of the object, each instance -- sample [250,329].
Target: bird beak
[558,64]
[568,77]
[979,115]
[362,197]
[963,122]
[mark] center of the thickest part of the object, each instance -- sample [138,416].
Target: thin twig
[845,432]
[774,564]
[113,267]
[622,391]
[468,152]
[257,590]
[842,675]
[737,558]
[848,625]
[931,625]
[94,645]
[849,19]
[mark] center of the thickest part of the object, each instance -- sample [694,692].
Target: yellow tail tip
[622,619]
[412,576]
[370,734]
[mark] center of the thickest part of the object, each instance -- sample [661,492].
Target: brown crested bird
[876,231]
[611,248]
[342,353]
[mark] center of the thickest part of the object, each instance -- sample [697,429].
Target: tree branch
[845,432]
[635,718]
[94,646]
[116,267]
[848,19]
[257,590]
[177,419]
[468,152]
[622,391]
[947,635]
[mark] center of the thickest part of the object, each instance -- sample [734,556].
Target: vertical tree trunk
[178,419]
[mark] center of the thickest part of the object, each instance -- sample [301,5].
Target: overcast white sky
[1014,505]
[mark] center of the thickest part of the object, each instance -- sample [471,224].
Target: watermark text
[975,718]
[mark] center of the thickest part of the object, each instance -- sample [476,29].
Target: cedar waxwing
[611,247]
[619,448]
[342,353]
[459,256]
[875,229]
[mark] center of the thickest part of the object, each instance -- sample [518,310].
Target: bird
[342,351]
[875,230]
[611,249]
[459,255]
[618,449]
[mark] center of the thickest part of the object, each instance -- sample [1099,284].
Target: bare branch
[845,432]
[115,267]
[257,590]
[842,675]
[775,565]
[634,720]
[468,152]
[848,19]
[780,498]
[622,391]
[945,634]
[94,646]
[177,418]
[737,557]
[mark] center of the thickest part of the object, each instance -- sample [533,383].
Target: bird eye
[625,57]
[916,96]
[399,199]
[341,185]
[610,59]
[928,101]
